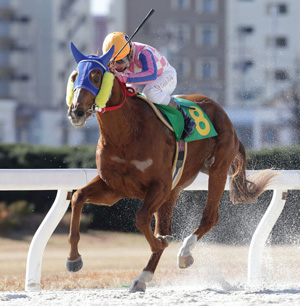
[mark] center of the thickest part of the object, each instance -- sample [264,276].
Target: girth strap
[179,161]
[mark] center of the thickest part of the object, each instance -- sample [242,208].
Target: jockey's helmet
[118,39]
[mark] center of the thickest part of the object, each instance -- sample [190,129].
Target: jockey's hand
[122,77]
[112,66]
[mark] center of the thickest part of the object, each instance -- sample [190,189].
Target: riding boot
[189,124]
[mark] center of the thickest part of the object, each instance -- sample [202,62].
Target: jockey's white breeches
[160,90]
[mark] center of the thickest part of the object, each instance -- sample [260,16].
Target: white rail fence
[66,180]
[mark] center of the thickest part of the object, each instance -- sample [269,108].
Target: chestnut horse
[134,158]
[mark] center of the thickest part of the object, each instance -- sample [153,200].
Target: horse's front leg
[163,227]
[95,192]
[155,197]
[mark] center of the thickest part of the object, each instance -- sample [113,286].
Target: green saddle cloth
[204,127]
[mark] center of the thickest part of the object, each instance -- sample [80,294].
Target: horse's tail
[243,190]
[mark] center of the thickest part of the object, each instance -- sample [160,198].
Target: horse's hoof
[185,261]
[137,287]
[74,265]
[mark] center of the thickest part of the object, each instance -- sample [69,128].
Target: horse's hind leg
[94,192]
[163,218]
[210,217]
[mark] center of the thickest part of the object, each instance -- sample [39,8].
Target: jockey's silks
[146,64]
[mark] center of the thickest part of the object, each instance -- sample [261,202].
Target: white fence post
[261,234]
[40,239]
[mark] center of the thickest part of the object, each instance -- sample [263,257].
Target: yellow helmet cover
[118,39]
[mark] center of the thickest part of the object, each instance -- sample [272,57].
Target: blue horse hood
[88,63]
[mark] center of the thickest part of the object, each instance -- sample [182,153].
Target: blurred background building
[35,62]
[262,62]
[245,54]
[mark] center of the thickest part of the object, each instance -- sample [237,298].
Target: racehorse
[134,159]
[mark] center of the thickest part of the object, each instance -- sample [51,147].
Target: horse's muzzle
[77,116]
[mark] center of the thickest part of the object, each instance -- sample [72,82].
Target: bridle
[127,91]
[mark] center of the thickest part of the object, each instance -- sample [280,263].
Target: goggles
[123,60]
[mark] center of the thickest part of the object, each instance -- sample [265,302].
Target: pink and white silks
[150,73]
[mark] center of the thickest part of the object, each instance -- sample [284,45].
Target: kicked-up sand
[111,261]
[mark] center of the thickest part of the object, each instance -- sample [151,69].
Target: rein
[127,91]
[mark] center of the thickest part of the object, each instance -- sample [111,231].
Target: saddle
[173,119]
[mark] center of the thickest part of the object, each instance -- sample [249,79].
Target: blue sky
[99,7]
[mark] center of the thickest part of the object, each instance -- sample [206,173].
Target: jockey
[148,71]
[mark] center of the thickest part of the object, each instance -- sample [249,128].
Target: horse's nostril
[80,113]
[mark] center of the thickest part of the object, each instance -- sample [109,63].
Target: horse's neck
[117,126]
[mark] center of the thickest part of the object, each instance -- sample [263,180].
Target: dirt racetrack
[113,260]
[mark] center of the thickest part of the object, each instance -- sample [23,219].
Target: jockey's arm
[148,73]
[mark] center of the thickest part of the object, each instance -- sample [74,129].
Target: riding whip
[136,30]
